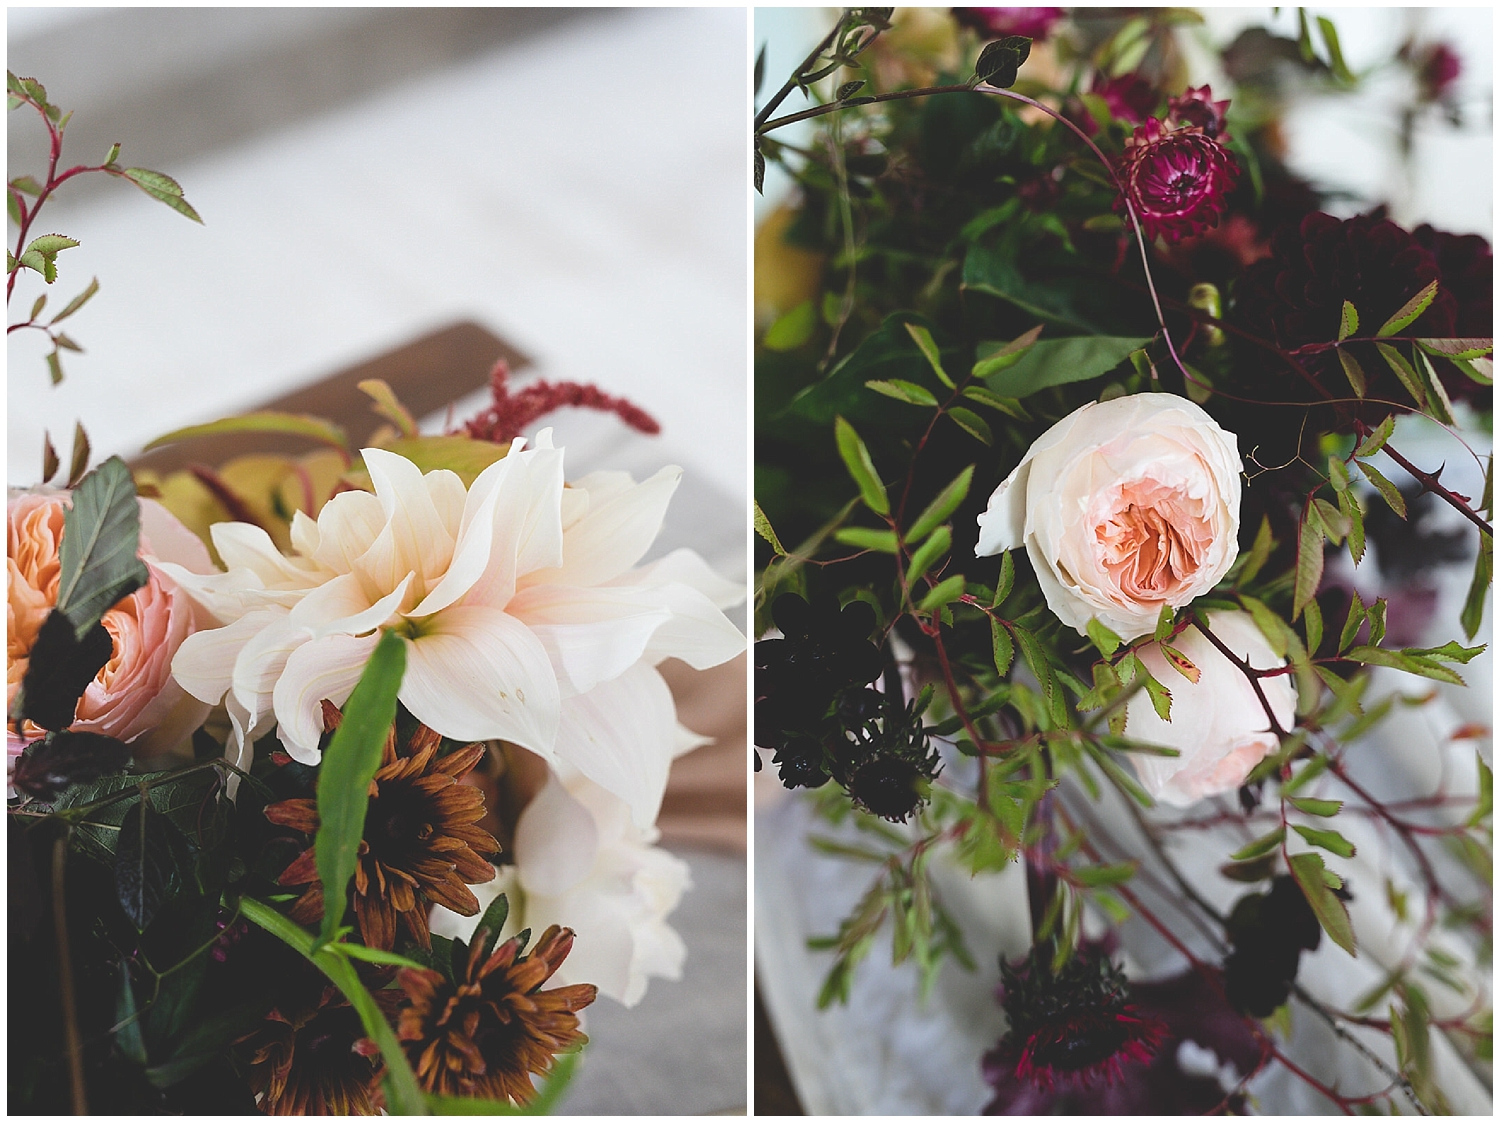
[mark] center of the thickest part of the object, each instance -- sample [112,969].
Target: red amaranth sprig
[511,413]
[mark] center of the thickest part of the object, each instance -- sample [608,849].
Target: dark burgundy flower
[1192,1009]
[996,23]
[1269,931]
[1438,68]
[1176,179]
[1073,1027]
[1466,268]
[1129,98]
[1197,107]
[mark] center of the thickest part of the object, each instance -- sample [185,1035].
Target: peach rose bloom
[1124,507]
[134,697]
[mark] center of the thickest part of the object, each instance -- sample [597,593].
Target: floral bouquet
[334,777]
[1110,584]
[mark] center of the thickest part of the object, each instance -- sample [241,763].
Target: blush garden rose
[1123,506]
[1218,726]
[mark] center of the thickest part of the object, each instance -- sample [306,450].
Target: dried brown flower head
[489,1033]
[314,1060]
[421,845]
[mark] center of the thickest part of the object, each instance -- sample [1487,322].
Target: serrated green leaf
[1388,491]
[1409,311]
[1011,407]
[1260,552]
[1321,807]
[1440,404]
[1161,697]
[1473,610]
[867,538]
[1376,440]
[1060,362]
[971,423]
[923,339]
[1094,877]
[1402,661]
[49,245]
[944,593]
[1309,560]
[1265,844]
[1403,371]
[1354,373]
[903,391]
[942,506]
[1352,622]
[1335,522]
[936,546]
[1104,639]
[349,764]
[163,188]
[1007,355]
[1165,620]
[1375,613]
[101,538]
[262,421]
[1006,580]
[36,308]
[1348,322]
[1331,841]
[1307,869]
[77,302]
[763,528]
[1349,507]
[1312,620]
[857,460]
[1457,348]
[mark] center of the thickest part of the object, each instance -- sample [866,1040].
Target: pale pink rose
[134,697]
[1123,506]
[1218,725]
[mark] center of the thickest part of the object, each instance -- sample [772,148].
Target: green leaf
[388,406]
[1335,522]
[1058,362]
[1404,661]
[162,188]
[857,460]
[904,391]
[50,245]
[101,538]
[1308,870]
[1353,372]
[349,764]
[1352,622]
[1008,406]
[1003,647]
[373,955]
[935,547]
[1312,620]
[971,423]
[462,456]
[1473,611]
[1375,613]
[1339,67]
[945,593]
[27,185]
[1263,845]
[36,308]
[940,508]
[493,922]
[923,339]
[1006,580]
[1348,322]
[1409,311]
[54,367]
[50,463]
[1309,560]
[1165,619]
[1260,552]
[1403,371]
[1006,356]
[1485,803]
[1457,348]
[867,538]
[1000,61]
[1324,808]
[262,421]
[793,329]
[405,1094]
[1104,639]
[1388,491]
[1309,772]
[1351,510]
[78,462]
[1161,697]
[1376,440]
[1331,841]
[763,528]
[1437,394]
[145,863]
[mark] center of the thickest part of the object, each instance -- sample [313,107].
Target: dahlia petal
[348,525]
[243,546]
[259,665]
[696,632]
[556,841]
[591,635]
[421,542]
[621,735]
[477,674]
[204,664]
[685,567]
[323,668]
[342,605]
[616,532]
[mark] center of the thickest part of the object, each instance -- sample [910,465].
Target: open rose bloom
[134,697]
[1218,725]
[1123,506]
[525,617]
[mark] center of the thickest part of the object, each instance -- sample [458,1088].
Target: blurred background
[569,182]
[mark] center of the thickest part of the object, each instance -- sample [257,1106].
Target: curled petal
[323,668]
[621,735]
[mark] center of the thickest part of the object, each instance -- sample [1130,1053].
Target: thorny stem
[65,974]
[1250,673]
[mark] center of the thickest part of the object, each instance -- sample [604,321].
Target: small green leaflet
[940,508]
[857,460]
[1409,311]
[1376,440]
[903,391]
[1388,491]
[162,188]
[1309,559]
[1308,870]
[1331,841]
[971,423]
[1348,322]
[763,528]
[867,538]
[923,339]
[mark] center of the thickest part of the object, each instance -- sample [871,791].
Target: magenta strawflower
[996,23]
[1175,178]
[1197,107]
